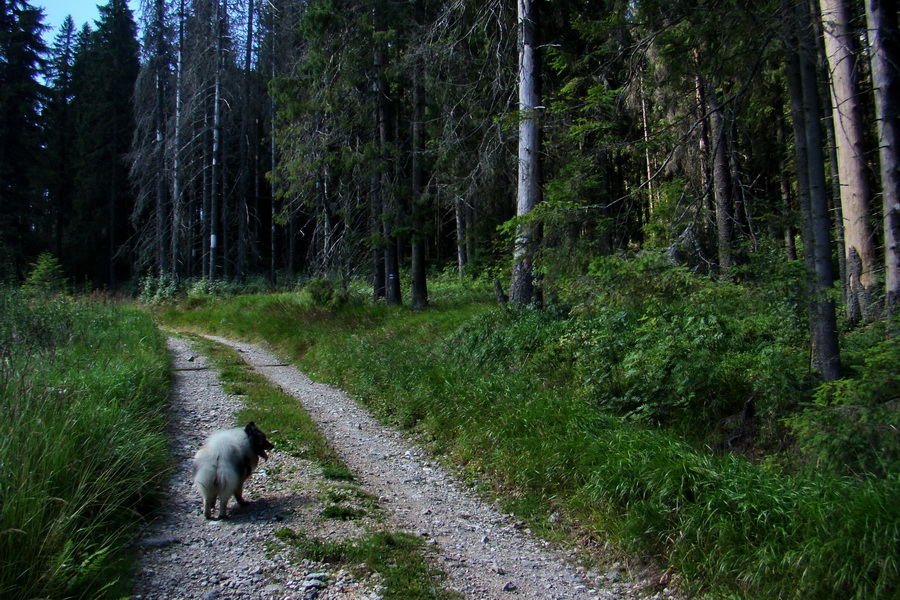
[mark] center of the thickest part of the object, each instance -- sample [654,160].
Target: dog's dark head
[258,441]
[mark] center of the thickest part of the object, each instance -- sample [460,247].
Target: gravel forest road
[484,553]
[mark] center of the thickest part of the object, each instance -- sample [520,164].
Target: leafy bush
[156,289]
[324,293]
[852,426]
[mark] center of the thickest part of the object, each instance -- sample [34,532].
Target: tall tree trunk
[703,169]
[384,110]
[790,247]
[177,192]
[855,190]
[521,288]
[244,188]
[722,187]
[811,184]
[162,217]
[831,145]
[462,257]
[884,52]
[419,292]
[216,133]
[273,245]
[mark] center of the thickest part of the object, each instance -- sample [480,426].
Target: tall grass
[520,400]
[82,453]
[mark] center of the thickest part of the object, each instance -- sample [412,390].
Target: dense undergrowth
[673,416]
[83,385]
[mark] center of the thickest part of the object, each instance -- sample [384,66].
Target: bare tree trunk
[521,288]
[855,191]
[243,206]
[646,126]
[273,246]
[831,144]
[722,187]
[177,192]
[384,123]
[162,224]
[884,52]
[378,270]
[790,247]
[419,292]
[462,257]
[216,127]
[703,143]
[811,184]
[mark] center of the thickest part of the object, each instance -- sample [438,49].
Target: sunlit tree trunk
[521,289]
[850,142]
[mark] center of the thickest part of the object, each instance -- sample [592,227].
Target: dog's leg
[209,503]
[239,495]
[223,506]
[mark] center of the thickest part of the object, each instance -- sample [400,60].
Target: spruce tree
[104,76]
[21,60]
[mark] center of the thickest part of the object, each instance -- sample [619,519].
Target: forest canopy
[223,141]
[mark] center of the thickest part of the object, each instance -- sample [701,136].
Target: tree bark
[384,124]
[419,292]
[177,200]
[216,133]
[849,130]
[462,256]
[162,216]
[722,187]
[244,187]
[811,184]
[884,53]
[521,289]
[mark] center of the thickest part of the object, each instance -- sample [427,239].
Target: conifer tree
[22,53]
[105,71]
[60,129]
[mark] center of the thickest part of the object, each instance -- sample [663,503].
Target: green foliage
[156,289]
[852,425]
[46,276]
[323,293]
[82,391]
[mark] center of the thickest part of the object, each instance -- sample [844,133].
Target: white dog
[225,462]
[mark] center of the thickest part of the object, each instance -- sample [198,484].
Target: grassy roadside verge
[399,560]
[482,385]
[83,454]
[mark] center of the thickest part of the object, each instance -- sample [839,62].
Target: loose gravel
[485,553]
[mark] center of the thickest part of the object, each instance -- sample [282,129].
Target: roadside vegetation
[667,414]
[83,455]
